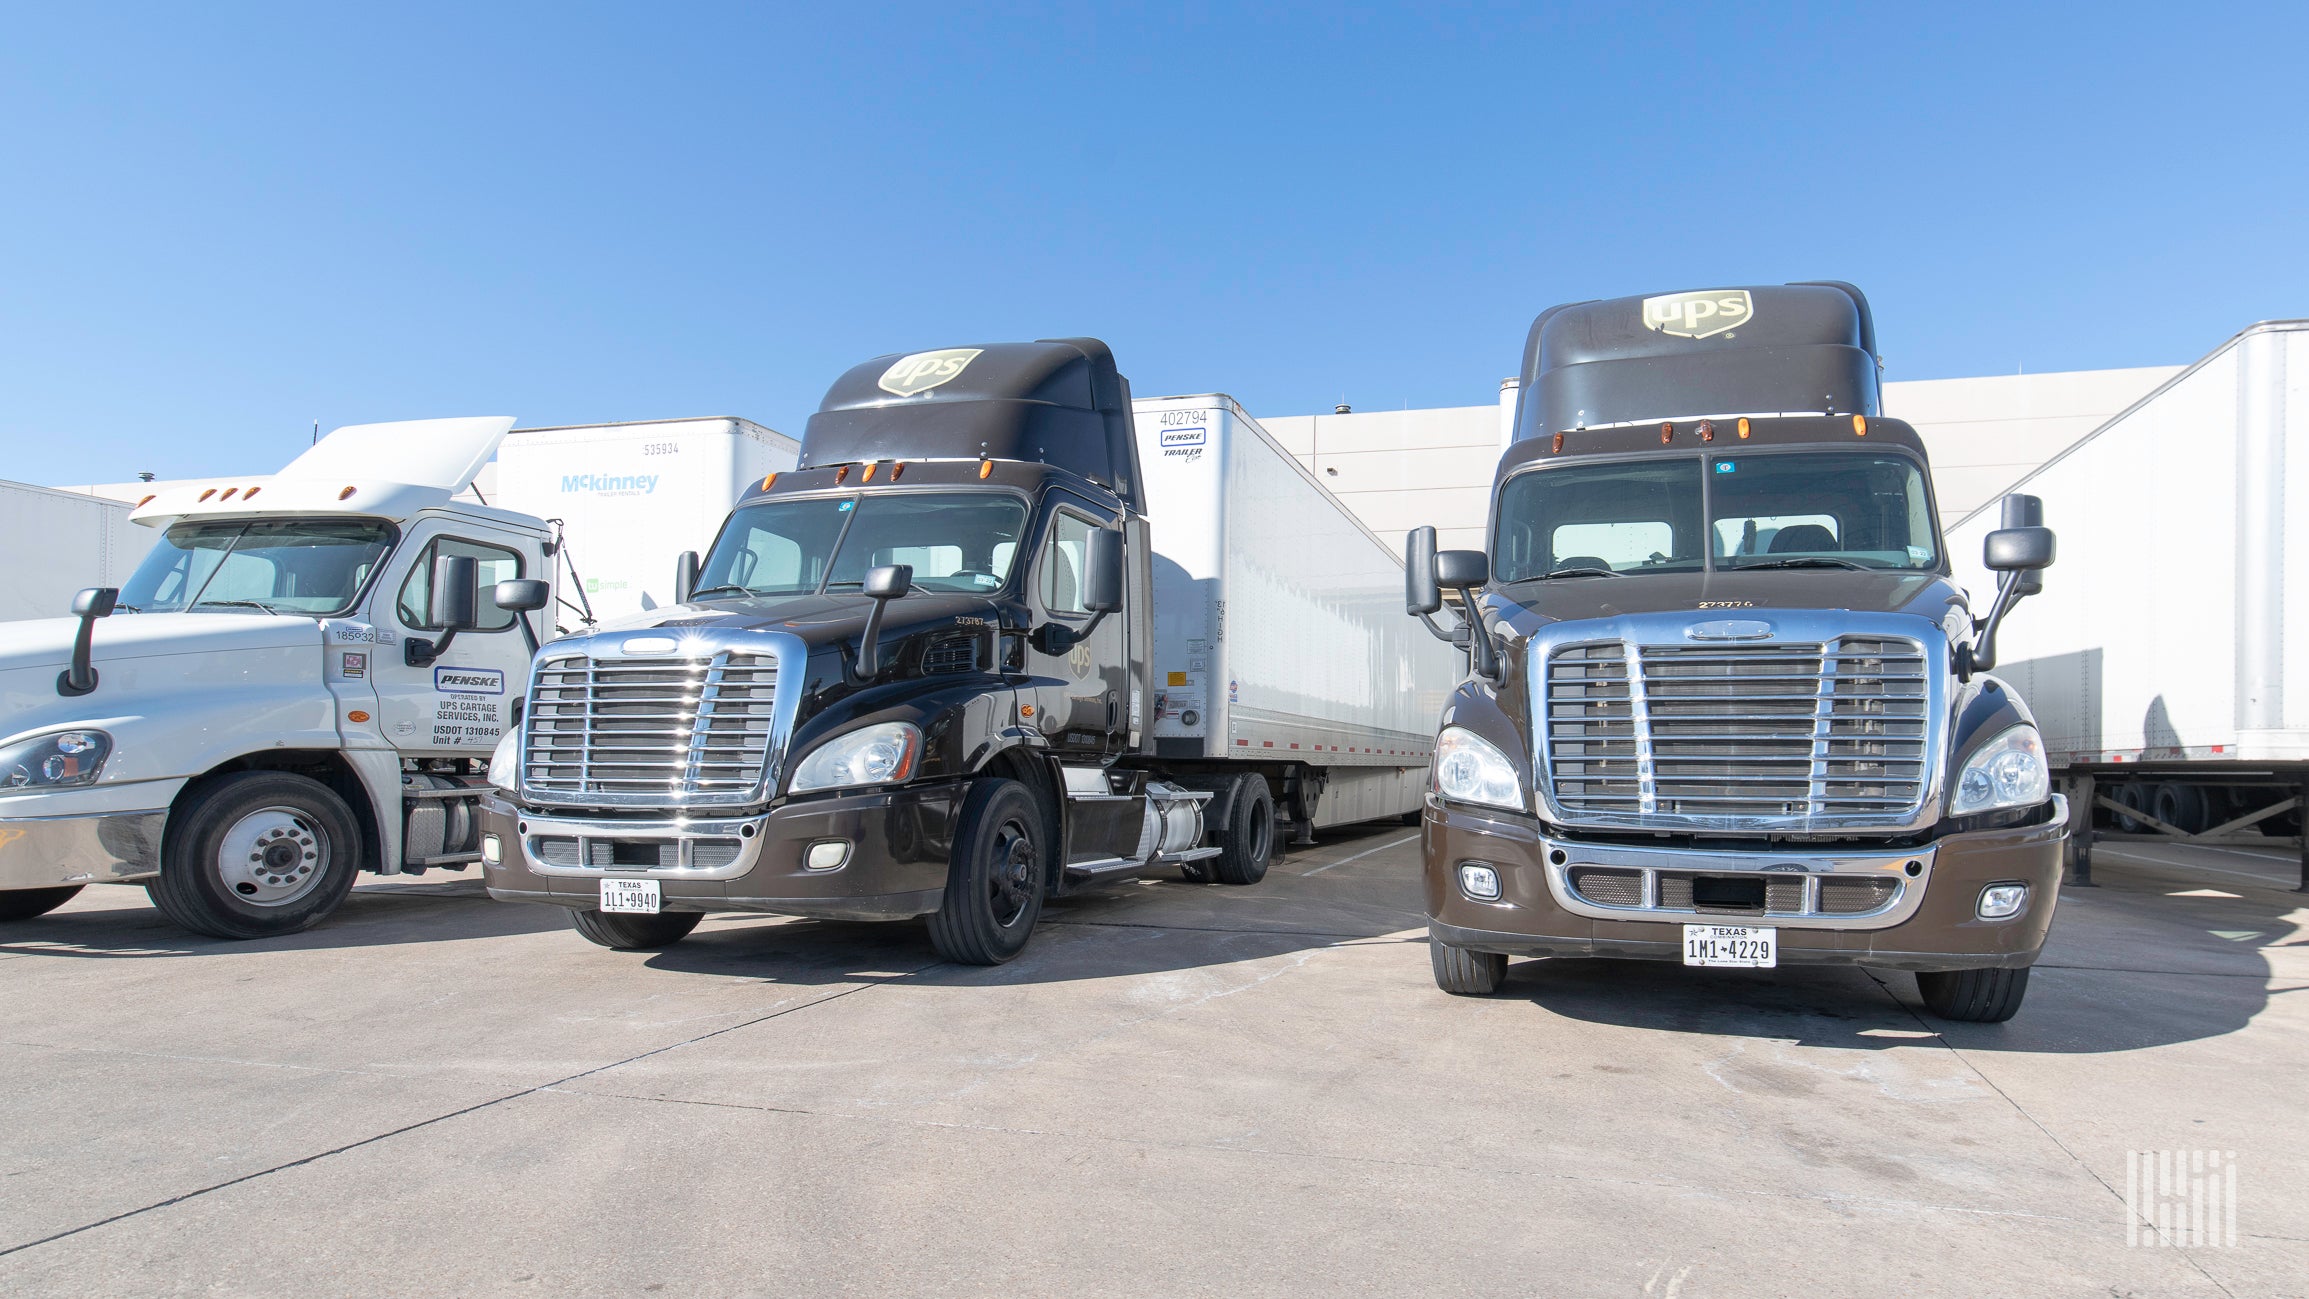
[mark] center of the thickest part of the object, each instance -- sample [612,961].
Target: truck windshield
[956,541]
[1834,509]
[301,566]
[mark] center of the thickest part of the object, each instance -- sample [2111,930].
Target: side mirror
[88,605]
[889,581]
[2018,550]
[522,594]
[1422,594]
[456,600]
[685,576]
[1457,570]
[882,585]
[1102,583]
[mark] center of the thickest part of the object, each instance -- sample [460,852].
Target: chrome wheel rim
[272,857]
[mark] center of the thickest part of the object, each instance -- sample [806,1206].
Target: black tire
[256,854]
[1414,818]
[2135,795]
[23,904]
[1464,973]
[995,877]
[625,932]
[2181,806]
[1247,841]
[1974,996]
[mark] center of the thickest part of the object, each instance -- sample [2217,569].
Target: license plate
[636,896]
[1739,947]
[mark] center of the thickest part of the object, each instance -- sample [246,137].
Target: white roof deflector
[442,453]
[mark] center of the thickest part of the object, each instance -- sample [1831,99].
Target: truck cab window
[314,567]
[956,541]
[1835,506]
[1062,564]
[1575,518]
[495,563]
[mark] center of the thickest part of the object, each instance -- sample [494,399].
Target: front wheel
[626,932]
[23,904]
[1465,973]
[994,879]
[1974,996]
[257,854]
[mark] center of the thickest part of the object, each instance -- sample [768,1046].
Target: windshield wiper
[1806,561]
[238,604]
[726,586]
[1582,570]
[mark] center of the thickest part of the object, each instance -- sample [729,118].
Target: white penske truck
[301,681]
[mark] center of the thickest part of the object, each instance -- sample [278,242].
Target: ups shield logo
[1704,314]
[923,371]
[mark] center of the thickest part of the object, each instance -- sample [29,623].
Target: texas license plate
[636,896]
[1741,947]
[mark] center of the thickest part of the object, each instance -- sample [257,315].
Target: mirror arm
[1487,663]
[528,633]
[1447,637]
[416,651]
[870,643]
[1980,655]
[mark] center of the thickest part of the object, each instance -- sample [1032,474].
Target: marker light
[229,493]
[840,474]
[896,470]
[869,471]
[210,492]
[1559,444]
[2001,901]
[345,495]
[146,501]
[1860,426]
[1479,881]
[1667,431]
[985,467]
[1707,431]
[1743,428]
[251,494]
[767,479]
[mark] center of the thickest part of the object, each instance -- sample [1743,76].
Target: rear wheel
[994,880]
[1465,973]
[257,854]
[624,932]
[1247,841]
[1974,996]
[23,904]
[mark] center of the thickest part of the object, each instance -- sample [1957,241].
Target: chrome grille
[693,730]
[1786,732]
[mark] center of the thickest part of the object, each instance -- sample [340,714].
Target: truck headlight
[505,763]
[1471,769]
[2008,771]
[57,760]
[880,754]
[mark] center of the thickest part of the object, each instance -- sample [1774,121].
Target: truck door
[1078,690]
[460,703]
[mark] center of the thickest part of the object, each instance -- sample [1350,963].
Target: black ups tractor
[923,674]
[1728,707]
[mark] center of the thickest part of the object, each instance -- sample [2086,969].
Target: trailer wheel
[2182,806]
[624,932]
[1465,973]
[1974,996]
[1247,841]
[994,880]
[2135,795]
[23,904]
[257,854]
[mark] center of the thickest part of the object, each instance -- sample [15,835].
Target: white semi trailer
[2167,659]
[304,677]
[53,543]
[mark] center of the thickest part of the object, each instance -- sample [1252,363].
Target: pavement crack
[460,1112]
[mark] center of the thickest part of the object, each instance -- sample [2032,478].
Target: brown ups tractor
[1726,705]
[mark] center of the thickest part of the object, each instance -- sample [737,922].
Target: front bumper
[899,841]
[1931,924]
[39,852]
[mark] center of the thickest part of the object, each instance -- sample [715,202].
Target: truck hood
[47,642]
[1572,599]
[818,619]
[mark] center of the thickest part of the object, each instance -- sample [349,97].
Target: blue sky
[222,224]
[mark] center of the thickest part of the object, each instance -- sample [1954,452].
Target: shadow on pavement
[2151,957]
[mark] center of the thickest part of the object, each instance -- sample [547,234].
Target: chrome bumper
[741,838]
[38,852]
